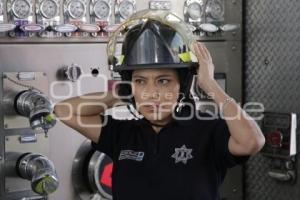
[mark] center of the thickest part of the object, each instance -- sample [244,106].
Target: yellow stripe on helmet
[185,56]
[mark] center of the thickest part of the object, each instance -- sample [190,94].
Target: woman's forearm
[86,105]
[246,134]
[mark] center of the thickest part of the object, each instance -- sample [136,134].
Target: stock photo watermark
[159,103]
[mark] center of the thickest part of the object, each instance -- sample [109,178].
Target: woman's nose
[153,92]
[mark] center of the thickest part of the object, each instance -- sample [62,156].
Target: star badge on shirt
[182,154]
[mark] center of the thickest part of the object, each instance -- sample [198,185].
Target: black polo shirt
[186,160]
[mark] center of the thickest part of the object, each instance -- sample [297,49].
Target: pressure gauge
[21,8]
[101,9]
[195,10]
[126,9]
[215,9]
[76,9]
[49,8]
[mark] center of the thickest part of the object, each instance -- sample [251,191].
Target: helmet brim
[120,68]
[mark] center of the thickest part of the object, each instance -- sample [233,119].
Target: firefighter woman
[171,151]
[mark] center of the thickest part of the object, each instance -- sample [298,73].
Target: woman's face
[155,92]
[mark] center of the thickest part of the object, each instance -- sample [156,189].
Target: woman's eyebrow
[164,76]
[160,76]
[139,76]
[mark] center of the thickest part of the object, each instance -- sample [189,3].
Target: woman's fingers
[198,52]
[201,52]
[206,52]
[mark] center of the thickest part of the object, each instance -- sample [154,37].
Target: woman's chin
[155,117]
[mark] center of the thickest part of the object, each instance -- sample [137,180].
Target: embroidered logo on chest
[182,154]
[131,155]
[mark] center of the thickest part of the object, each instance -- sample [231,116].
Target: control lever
[229,27]
[7,27]
[211,28]
[32,28]
[207,27]
[111,28]
[89,28]
[65,28]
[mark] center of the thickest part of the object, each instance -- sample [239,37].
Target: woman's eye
[163,81]
[139,81]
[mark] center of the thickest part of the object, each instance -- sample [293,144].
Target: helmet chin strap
[180,105]
[186,93]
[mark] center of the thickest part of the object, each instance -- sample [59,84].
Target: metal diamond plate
[272,77]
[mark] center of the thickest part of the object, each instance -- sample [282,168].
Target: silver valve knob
[73,72]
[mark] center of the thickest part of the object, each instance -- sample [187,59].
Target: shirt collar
[183,120]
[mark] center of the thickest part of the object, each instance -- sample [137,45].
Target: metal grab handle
[282,175]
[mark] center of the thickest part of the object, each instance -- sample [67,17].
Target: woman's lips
[152,107]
